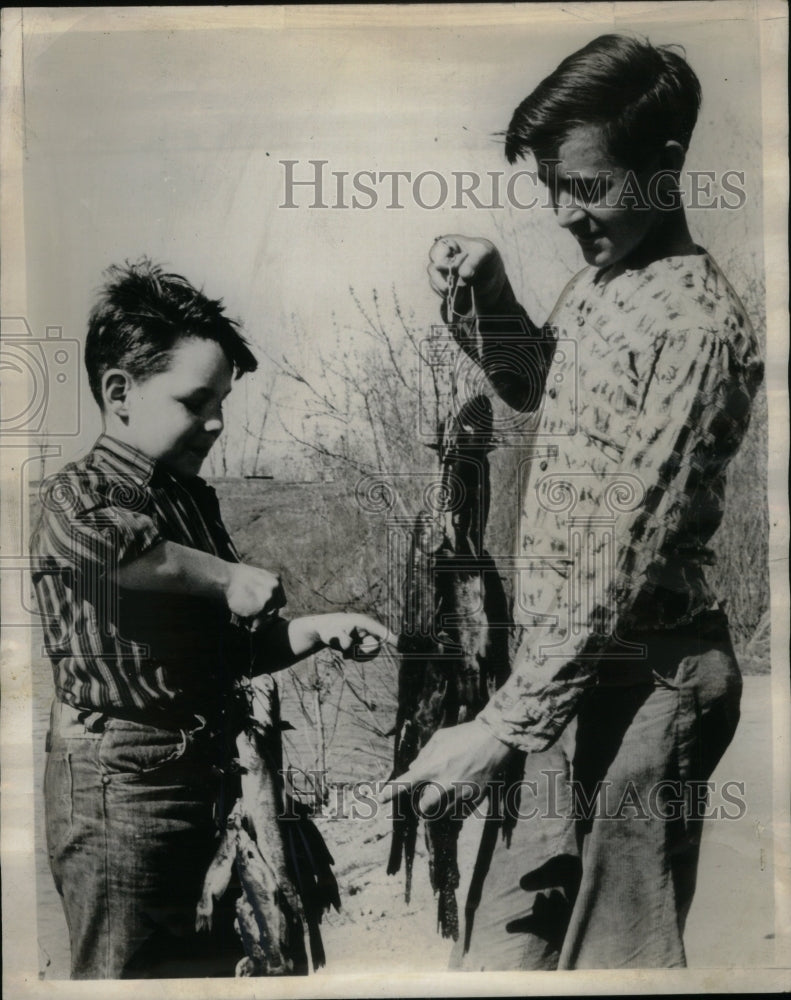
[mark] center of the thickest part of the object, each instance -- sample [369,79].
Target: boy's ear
[115,392]
[672,156]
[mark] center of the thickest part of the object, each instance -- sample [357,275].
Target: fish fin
[313,861]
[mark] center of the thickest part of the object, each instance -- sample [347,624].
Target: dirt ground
[731,923]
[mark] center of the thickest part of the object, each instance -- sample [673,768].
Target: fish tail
[410,840]
[396,847]
[292,935]
[448,913]
[316,884]
[317,953]
[441,840]
[402,846]
[408,880]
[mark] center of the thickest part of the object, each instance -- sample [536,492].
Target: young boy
[149,618]
[645,375]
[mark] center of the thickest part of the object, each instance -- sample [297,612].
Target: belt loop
[94,722]
[69,722]
[664,681]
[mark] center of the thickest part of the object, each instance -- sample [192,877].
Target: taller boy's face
[604,205]
[176,416]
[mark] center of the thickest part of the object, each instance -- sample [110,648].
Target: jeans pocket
[131,749]
[713,684]
[58,805]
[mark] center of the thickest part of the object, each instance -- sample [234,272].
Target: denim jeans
[599,872]
[130,833]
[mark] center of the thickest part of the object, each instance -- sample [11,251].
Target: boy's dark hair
[142,312]
[641,95]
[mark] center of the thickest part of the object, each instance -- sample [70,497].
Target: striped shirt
[649,377]
[151,657]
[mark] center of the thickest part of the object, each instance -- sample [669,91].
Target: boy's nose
[569,214]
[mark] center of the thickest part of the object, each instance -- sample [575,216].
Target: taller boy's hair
[640,95]
[142,312]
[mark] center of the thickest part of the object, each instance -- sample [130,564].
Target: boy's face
[595,197]
[176,416]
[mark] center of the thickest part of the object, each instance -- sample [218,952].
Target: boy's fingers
[383,633]
[363,637]
[430,799]
[443,249]
[392,789]
[279,596]
[261,621]
[437,280]
[386,793]
[465,268]
[368,639]
[370,626]
[277,600]
[342,641]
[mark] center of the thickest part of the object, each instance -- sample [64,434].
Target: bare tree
[234,457]
[368,417]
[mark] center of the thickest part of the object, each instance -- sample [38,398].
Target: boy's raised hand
[353,635]
[253,593]
[464,262]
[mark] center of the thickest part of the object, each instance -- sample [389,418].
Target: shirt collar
[120,457]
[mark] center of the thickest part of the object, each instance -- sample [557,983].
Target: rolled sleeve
[514,353]
[84,529]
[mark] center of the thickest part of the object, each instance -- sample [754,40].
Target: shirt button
[543,465]
[105,779]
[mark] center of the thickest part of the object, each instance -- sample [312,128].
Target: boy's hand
[253,593]
[465,262]
[352,634]
[456,762]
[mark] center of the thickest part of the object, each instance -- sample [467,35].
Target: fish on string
[454,638]
[281,860]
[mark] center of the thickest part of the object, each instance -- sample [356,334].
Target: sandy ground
[731,923]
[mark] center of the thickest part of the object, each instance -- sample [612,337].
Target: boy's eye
[194,405]
[587,189]
[199,407]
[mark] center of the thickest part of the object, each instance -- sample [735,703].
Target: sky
[168,141]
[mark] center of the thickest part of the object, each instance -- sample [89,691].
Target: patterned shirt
[648,378]
[151,657]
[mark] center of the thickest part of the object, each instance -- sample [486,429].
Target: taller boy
[645,374]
